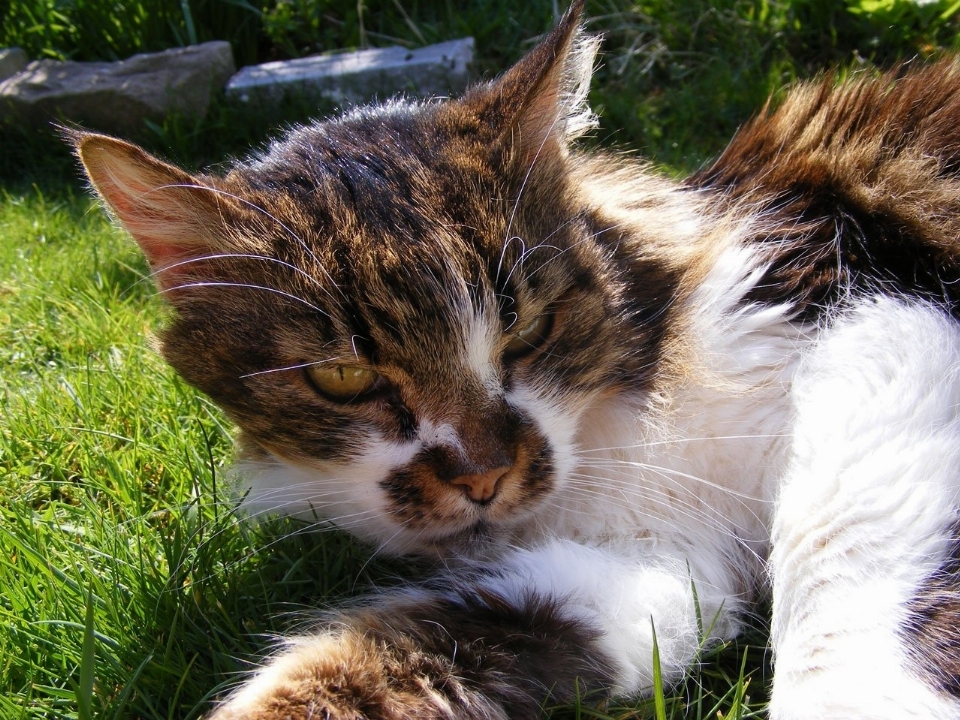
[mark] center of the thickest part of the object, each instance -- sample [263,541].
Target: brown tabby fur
[398,662]
[302,227]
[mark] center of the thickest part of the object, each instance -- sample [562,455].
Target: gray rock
[358,77]
[117,97]
[12,61]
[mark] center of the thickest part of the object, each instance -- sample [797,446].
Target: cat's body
[609,403]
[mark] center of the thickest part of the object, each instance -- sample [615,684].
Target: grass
[129,591]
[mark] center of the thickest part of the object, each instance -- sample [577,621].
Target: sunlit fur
[616,408]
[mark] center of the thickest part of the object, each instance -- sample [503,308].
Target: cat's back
[856,185]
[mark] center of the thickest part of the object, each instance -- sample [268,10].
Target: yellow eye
[530,336]
[343,382]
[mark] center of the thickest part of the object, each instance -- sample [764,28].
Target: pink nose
[481,487]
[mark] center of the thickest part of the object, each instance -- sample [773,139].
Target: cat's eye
[344,382]
[529,336]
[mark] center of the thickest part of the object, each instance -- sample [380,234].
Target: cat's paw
[350,676]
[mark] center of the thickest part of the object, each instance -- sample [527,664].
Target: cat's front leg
[864,558]
[425,655]
[549,623]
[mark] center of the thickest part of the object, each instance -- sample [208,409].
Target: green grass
[127,588]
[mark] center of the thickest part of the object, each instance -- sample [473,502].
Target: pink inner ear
[540,130]
[159,225]
[172,215]
[146,223]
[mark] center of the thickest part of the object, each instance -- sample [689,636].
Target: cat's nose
[481,487]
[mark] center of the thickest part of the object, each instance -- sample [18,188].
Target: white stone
[358,77]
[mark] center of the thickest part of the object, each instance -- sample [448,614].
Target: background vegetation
[128,588]
[678,76]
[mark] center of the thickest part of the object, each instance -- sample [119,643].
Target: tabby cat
[615,408]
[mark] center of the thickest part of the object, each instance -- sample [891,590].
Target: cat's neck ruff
[711,438]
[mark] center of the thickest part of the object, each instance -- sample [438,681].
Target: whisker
[577,244]
[377,551]
[676,506]
[298,366]
[249,256]
[250,286]
[524,255]
[503,254]
[669,473]
[680,440]
[526,177]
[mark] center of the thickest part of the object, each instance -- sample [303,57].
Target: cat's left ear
[540,105]
[175,217]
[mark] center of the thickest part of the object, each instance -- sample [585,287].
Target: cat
[618,410]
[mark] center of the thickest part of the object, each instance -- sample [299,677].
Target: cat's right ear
[539,106]
[171,214]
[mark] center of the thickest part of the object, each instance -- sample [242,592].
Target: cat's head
[406,309]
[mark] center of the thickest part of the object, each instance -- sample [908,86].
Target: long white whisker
[249,256]
[679,440]
[526,177]
[249,286]
[667,473]
[298,366]
[580,242]
[503,254]
[675,505]
[379,549]
[524,255]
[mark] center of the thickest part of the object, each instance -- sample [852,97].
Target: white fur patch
[657,497]
[556,423]
[873,485]
[481,352]
[704,462]
[442,433]
[622,596]
[344,494]
[661,494]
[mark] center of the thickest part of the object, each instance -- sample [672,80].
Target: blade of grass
[88,670]
[659,702]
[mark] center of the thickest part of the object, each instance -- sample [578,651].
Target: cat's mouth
[440,510]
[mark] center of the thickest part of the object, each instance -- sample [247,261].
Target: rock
[12,61]
[117,97]
[358,77]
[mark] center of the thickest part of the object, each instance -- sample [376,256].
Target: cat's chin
[481,540]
